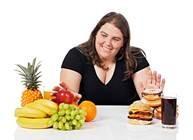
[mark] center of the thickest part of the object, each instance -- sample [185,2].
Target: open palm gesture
[155,81]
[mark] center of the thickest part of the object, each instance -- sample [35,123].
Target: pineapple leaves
[30,74]
[24,69]
[34,62]
[37,67]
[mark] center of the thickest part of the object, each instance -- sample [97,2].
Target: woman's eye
[103,35]
[116,39]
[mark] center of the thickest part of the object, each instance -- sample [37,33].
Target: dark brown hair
[126,52]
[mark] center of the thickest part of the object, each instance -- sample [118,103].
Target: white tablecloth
[111,123]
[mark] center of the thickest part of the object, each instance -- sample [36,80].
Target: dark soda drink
[168,107]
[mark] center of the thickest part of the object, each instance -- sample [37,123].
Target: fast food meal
[140,113]
[151,97]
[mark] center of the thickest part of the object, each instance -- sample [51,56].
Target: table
[111,123]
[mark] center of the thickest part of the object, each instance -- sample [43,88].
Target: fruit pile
[36,114]
[68,117]
[57,109]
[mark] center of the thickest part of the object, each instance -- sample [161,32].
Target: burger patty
[140,118]
[141,113]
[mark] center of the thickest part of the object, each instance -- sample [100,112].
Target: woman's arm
[72,80]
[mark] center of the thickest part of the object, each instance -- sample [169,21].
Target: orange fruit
[90,109]
[48,95]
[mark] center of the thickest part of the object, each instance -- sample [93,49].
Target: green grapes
[68,117]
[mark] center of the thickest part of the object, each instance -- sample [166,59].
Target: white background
[48,29]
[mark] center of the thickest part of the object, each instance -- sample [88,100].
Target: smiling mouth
[107,48]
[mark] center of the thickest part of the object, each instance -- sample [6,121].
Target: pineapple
[30,76]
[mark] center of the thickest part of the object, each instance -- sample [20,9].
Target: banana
[47,103]
[41,107]
[33,123]
[29,112]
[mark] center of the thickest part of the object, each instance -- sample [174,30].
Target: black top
[115,92]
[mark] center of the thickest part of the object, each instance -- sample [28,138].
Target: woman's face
[109,40]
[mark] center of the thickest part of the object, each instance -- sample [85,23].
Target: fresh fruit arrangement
[69,117]
[58,108]
[30,79]
[36,114]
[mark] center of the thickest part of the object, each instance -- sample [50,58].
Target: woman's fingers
[162,84]
[63,86]
[77,96]
[158,80]
[149,77]
[154,78]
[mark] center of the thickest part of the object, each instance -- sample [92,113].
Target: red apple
[64,96]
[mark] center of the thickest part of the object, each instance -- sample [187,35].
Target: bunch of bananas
[36,114]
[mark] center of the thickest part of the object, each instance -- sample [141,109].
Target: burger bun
[151,94]
[152,103]
[139,122]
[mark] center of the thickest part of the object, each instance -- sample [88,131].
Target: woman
[106,69]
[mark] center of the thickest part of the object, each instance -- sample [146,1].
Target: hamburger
[157,113]
[140,113]
[151,97]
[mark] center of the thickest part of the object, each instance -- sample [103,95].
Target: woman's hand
[77,96]
[155,81]
[63,86]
